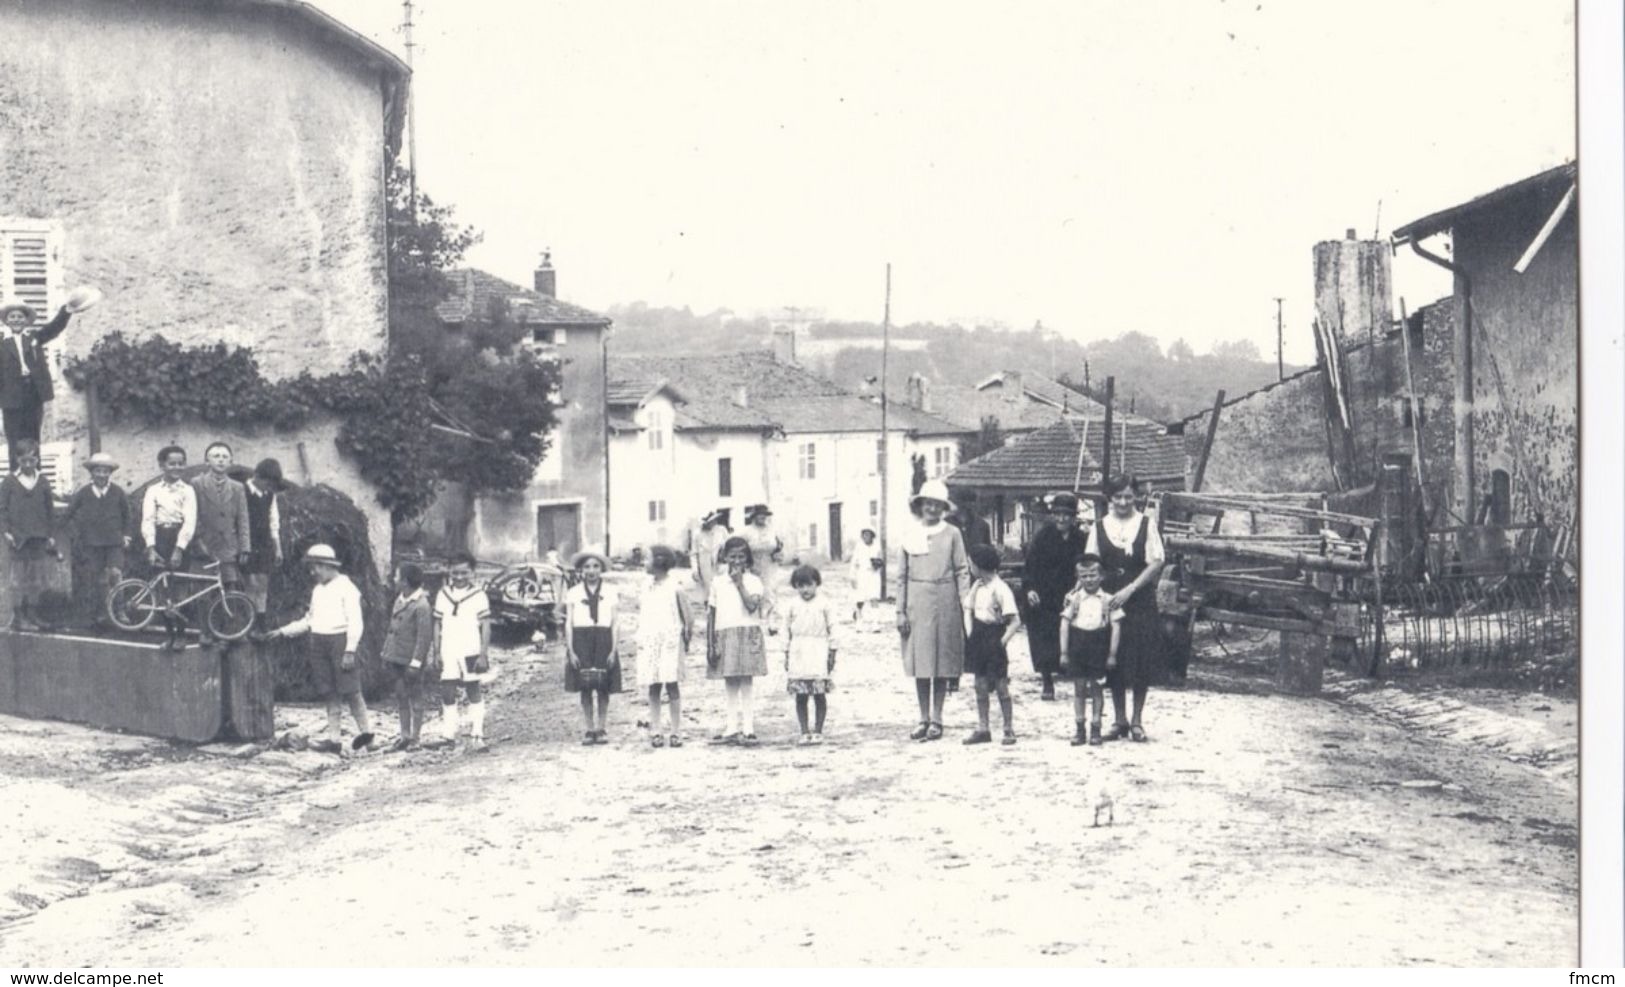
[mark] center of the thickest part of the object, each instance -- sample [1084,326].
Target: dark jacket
[99,522]
[411,631]
[16,389]
[25,513]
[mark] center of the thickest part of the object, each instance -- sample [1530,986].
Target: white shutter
[55,464]
[30,265]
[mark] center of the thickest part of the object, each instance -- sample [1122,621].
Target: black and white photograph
[845,484]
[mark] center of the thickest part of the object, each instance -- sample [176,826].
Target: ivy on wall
[382,404]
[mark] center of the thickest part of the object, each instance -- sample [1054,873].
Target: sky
[1097,165]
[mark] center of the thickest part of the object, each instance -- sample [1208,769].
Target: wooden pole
[1280,351]
[885,437]
[1416,426]
[1207,443]
[93,416]
[1106,445]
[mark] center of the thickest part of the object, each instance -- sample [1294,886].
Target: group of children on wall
[180,525]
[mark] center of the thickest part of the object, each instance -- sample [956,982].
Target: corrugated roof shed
[473,293]
[1048,458]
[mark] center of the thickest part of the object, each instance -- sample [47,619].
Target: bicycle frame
[164,578]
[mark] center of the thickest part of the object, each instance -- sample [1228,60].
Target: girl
[663,631]
[26,519]
[734,651]
[1130,550]
[929,616]
[1091,632]
[462,618]
[592,643]
[994,620]
[809,657]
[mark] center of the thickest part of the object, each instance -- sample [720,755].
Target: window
[944,460]
[657,510]
[874,508]
[29,264]
[547,337]
[725,477]
[807,461]
[812,536]
[657,429]
[55,464]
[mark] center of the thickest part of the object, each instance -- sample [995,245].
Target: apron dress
[1139,648]
[592,640]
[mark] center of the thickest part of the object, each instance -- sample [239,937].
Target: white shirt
[581,614]
[1089,611]
[730,609]
[460,613]
[1123,531]
[335,608]
[169,503]
[992,601]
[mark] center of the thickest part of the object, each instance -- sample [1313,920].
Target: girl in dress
[663,632]
[930,618]
[734,649]
[1130,549]
[591,644]
[809,657]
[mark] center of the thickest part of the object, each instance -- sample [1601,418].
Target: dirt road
[1375,826]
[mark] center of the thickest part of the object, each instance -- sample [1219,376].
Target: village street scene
[373,595]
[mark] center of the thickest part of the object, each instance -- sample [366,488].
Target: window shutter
[55,464]
[29,264]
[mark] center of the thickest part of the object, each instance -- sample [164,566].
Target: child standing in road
[809,658]
[664,626]
[994,620]
[27,520]
[1090,630]
[462,618]
[734,650]
[406,652]
[334,624]
[592,643]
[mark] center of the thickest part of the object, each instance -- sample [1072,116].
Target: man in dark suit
[25,375]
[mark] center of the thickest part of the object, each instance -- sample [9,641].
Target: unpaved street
[1374,826]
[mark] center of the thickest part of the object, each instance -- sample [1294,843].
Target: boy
[406,650]
[994,620]
[26,519]
[100,515]
[334,623]
[264,534]
[462,632]
[25,373]
[1090,630]
[168,521]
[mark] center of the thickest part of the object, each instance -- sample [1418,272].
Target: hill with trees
[1164,385]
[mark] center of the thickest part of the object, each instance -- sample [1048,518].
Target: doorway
[835,541]
[558,526]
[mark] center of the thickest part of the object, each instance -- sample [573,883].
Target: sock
[747,711]
[449,727]
[1007,708]
[476,719]
[334,725]
[733,708]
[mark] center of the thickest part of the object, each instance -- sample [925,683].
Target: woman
[1131,551]
[930,618]
[1047,573]
[707,546]
[765,545]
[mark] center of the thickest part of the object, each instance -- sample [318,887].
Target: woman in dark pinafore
[1131,551]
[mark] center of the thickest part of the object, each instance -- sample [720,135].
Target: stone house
[1021,401]
[237,196]
[566,506]
[694,433]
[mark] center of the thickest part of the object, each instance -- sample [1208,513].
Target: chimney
[544,278]
[784,345]
[1012,388]
[1354,288]
[742,396]
[919,392]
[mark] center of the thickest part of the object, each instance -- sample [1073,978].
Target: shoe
[1119,730]
[589,738]
[920,732]
[1080,738]
[401,745]
[658,740]
[1009,738]
[979,737]
[1048,695]
[805,741]
[748,740]
[1137,734]
[818,738]
[1094,735]
[477,745]
[362,741]
[934,732]
[676,740]
[601,737]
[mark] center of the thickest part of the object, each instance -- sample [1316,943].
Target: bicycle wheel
[231,616]
[130,605]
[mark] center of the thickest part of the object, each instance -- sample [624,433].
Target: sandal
[657,740]
[921,731]
[979,737]
[676,740]
[1137,734]
[934,732]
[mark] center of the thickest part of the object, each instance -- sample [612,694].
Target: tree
[983,442]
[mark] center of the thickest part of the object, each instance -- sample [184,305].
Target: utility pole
[411,110]
[1280,358]
[885,436]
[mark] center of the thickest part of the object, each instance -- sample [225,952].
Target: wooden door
[835,542]
[558,526]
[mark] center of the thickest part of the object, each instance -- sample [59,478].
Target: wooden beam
[1207,443]
[1545,232]
[1240,548]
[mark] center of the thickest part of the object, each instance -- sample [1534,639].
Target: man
[1048,571]
[25,375]
[334,623]
[972,527]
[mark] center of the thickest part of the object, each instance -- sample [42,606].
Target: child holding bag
[592,643]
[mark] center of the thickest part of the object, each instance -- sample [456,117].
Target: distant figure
[27,519]
[766,547]
[707,546]
[972,526]
[868,576]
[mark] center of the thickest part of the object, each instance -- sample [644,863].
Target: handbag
[593,678]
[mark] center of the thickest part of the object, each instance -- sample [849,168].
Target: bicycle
[134,602]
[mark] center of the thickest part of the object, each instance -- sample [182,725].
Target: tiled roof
[1047,390]
[623,392]
[472,293]
[967,406]
[850,413]
[1048,458]
[1551,182]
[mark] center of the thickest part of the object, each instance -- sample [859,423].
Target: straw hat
[589,553]
[101,459]
[322,555]
[932,490]
[18,307]
[81,298]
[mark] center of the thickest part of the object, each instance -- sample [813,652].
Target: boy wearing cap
[99,514]
[334,623]
[25,376]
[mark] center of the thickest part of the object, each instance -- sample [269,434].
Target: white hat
[589,553]
[932,490]
[81,298]
[101,459]
[322,555]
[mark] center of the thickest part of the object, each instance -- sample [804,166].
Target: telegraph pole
[1280,359]
[411,109]
[885,436]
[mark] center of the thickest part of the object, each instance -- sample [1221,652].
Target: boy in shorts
[334,623]
[1090,630]
[168,522]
